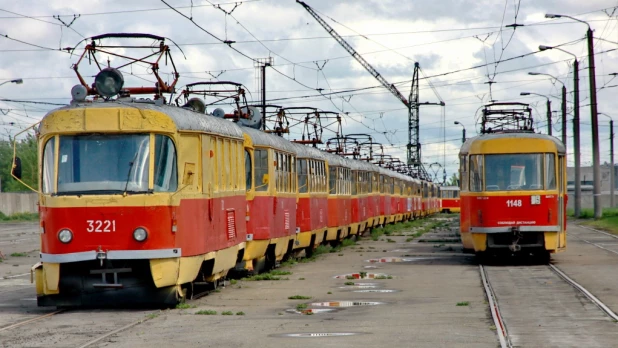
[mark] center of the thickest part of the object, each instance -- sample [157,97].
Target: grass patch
[233,281]
[348,242]
[301,306]
[348,283]
[272,275]
[206,312]
[321,249]
[609,221]
[240,313]
[463,304]
[19,254]
[279,272]
[606,223]
[301,278]
[183,305]
[227,313]
[589,213]
[383,277]
[152,315]
[299,297]
[19,217]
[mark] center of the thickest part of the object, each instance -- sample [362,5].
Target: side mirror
[16,168]
[264,179]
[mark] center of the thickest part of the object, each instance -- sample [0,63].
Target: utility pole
[598,210]
[611,154]
[261,64]
[577,206]
[564,117]
[548,116]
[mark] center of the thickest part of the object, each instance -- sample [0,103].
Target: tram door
[561,201]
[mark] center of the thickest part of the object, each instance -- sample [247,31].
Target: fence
[15,202]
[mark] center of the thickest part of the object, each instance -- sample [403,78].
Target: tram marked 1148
[513,186]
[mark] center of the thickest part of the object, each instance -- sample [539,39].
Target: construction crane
[414,146]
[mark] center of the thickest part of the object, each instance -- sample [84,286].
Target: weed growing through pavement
[301,306]
[348,283]
[183,305]
[227,313]
[206,312]
[240,313]
[299,297]
[19,254]
[462,304]
[153,315]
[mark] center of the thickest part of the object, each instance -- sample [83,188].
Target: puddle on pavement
[311,311]
[390,259]
[317,334]
[352,287]
[342,304]
[363,275]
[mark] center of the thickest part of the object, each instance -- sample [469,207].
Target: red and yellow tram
[513,193]
[449,199]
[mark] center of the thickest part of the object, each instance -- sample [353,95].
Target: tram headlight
[140,234]
[65,236]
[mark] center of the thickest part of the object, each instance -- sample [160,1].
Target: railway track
[541,306]
[69,327]
[598,245]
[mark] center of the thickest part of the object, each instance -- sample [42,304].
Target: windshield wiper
[126,185]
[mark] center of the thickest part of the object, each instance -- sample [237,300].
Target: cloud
[440,35]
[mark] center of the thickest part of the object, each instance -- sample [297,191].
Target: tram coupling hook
[101,255]
[514,247]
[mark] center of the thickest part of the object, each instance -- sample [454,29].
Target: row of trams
[140,202]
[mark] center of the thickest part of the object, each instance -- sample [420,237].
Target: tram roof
[184,119]
[465,148]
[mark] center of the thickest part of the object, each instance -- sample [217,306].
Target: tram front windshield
[103,163]
[508,172]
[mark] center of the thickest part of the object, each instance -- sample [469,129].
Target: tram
[449,199]
[513,186]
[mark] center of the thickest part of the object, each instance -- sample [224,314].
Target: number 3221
[101,225]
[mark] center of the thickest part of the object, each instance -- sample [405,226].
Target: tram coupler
[514,247]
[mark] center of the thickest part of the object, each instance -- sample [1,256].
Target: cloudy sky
[461,45]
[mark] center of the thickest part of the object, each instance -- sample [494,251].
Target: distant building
[586,178]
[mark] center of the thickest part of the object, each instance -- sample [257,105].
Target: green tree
[453,180]
[27,152]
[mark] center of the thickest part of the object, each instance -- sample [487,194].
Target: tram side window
[463,173]
[476,173]
[261,170]
[550,171]
[165,171]
[301,170]
[48,166]
[248,172]
[332,180]
[292,174]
